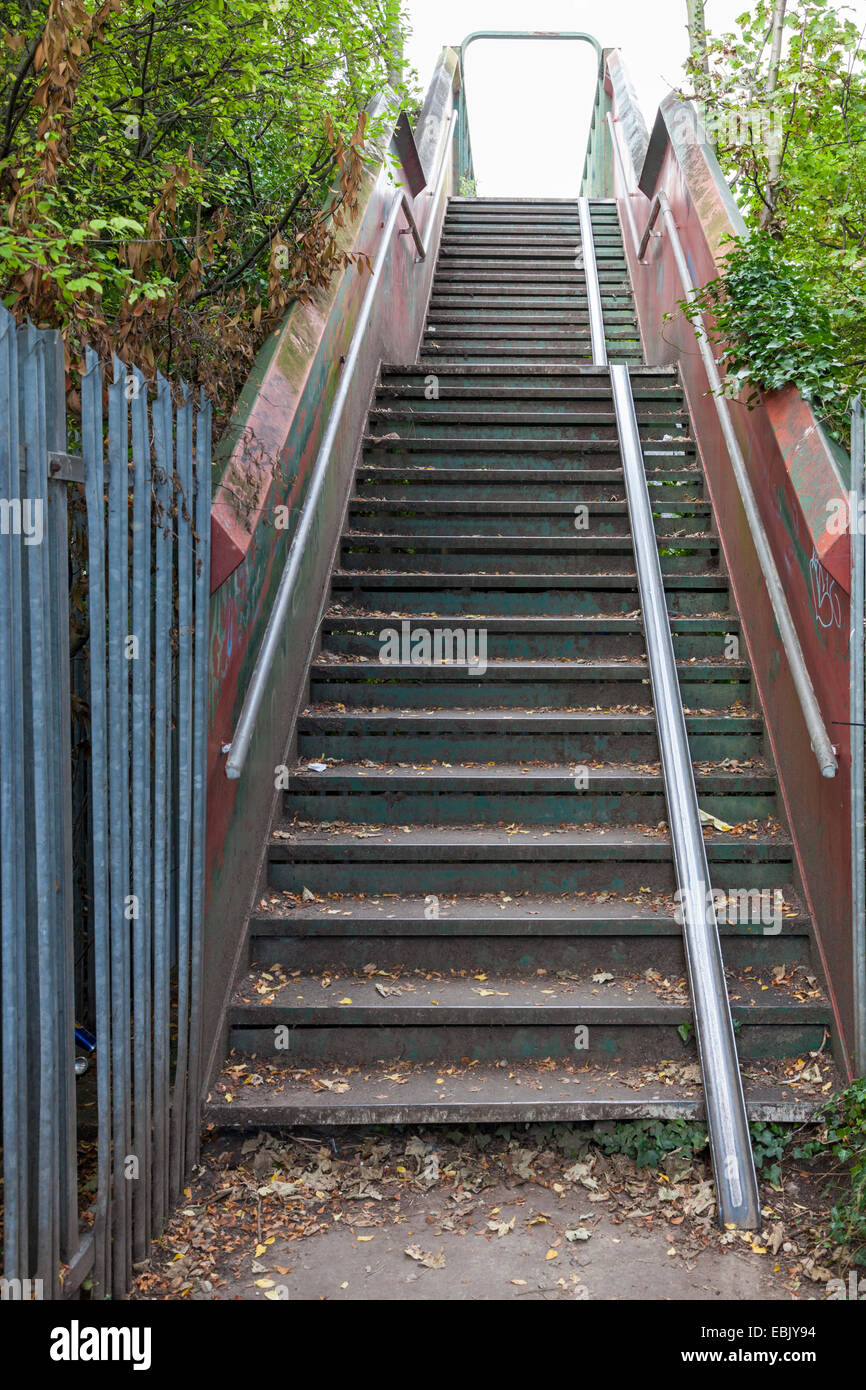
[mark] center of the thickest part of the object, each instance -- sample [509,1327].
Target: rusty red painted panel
[796,480]
[803,449]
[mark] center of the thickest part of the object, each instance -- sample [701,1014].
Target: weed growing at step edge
[843,1137]
[646,1142]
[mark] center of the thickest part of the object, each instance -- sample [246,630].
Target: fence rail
[102,810]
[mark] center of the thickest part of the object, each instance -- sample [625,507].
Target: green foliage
[55,251]
[647,1141]
[791,304]
[769,1142]
[776,327]
[843,1137]
[177,170]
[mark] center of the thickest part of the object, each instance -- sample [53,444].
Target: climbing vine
[784,103]
[776,328]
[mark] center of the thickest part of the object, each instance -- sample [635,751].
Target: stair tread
[546,393]
[435,506]
[573,669]
[441,474]
[467,444]
[264,1093]
[402,579]
[647,843]
[496,544]
[347,998]
[523,720]
[599,623]
[443,412]
[644,374]
[524,914]
[541,778]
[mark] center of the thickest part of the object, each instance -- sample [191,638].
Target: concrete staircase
[468,906]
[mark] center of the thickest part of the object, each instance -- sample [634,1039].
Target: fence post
[13,915]
[60,720]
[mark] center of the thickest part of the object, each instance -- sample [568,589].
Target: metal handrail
[822,746]
[525,35]
[239,747]
[593,288]
[521,35]
[727,1119]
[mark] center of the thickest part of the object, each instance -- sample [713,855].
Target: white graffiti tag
[828,609]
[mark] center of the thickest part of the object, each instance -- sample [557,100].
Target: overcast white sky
[535,146]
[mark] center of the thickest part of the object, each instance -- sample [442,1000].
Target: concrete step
[447,859]
[521,685]
[525,452]
[509,486]
[540,555]
[508,736]
[598,423]
[523,595]
[631,1018]
[532,795]
[673,518]
[266,1094]
[532,639]
[653,401]
[500,934]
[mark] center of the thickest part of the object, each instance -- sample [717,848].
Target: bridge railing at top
[464,165]
[102,811]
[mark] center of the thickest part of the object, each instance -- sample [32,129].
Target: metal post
[142,944]
[13,915]
[200,717]
[185,808]
[91,428]
[60,718]
[162,431]
[41,775]
[118,773]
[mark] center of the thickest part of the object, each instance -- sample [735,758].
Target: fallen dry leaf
[426,1259]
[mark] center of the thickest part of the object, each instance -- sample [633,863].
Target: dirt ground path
[483,1214]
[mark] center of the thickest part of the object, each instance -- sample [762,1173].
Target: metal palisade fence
[104,596]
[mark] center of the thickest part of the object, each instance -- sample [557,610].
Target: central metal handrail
[239,747]
[727,1119]
[822,745]
[593,288]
